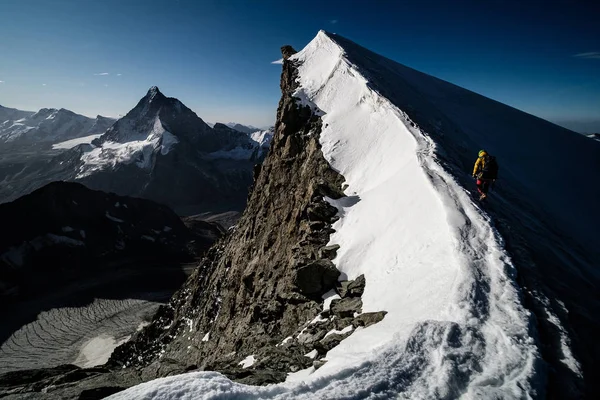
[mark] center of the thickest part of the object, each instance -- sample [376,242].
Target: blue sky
[100,57]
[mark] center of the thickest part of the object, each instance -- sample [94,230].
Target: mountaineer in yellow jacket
[486,172]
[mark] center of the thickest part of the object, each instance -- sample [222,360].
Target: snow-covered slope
[48,125]
[432,257]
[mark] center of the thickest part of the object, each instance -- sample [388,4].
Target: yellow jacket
[479,164]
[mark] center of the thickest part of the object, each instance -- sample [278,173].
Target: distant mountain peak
[153,92]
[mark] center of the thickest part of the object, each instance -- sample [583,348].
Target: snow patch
[247,362]
[69,144]
[97,350]
[328,298]
[342,332]
[313,354]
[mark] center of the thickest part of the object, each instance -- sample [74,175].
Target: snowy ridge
[431,258]
[455,325]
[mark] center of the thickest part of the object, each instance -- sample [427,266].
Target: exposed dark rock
[353,288]
[330,341]
[319,363]
[346,307]
[287,51]
[368,319]
[329,252]
[317,278]
[356,287]
[321,211]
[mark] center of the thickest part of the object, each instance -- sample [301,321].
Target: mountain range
[160,150]
[47,126]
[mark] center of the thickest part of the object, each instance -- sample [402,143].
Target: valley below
[81,323]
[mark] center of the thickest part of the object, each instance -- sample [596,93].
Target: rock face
[64,231]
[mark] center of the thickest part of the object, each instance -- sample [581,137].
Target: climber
[486,172]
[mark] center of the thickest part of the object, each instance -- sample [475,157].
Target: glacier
[434,258]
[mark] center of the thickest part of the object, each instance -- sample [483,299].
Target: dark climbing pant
[483,185]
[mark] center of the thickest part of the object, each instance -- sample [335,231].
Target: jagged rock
[329,252]
[356,288]
[316,225]
[321,211]
[282,358]
[329,342]
[317,277]
[342,288]
[368,319]
[353,288]
[344,308]
[312,335]
[287,51]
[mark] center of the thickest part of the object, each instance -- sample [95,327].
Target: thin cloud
[119,74]
[333,21]
[105,85]
[280,61]
[591,55]
[43,84]
[1,81]
[102,74]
